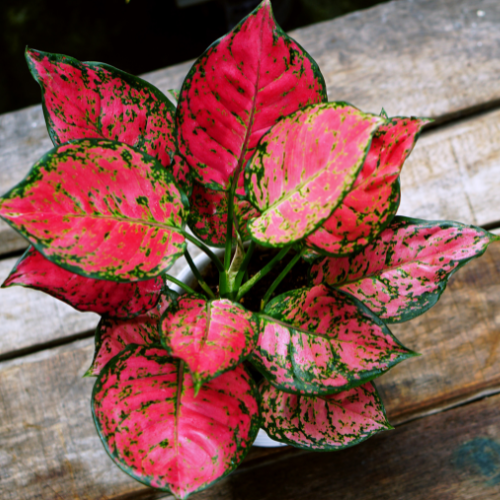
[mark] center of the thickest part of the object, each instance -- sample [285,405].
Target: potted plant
[250,149]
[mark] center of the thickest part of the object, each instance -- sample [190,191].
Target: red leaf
[405,270]
[375,196]
[119,300]
[325,423]
[321,341]
[100,209]
[212,337]
[158,432]
[208,215]
[92,100]
[304,167]
[236,91]
[114,335]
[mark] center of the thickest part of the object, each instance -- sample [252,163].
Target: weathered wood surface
[421,57]
[413,57]
[50,449]
[48,437]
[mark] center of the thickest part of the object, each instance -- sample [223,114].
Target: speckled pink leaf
[100,209]
[325,423]
[114,335]
[212,336]
[304,167]
[158,432]
[119,300]
[405,270]
[92,100]
[374,198]
[321,341]
[236,91]
[208,215]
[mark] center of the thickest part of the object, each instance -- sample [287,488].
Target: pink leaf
[119,300]
[304,167]
[325,423]
[114,335]
[212,337]
[321,341]
[158,432]
[374,198]
[208,216]
[405,270]
[92,100]
[100,209]
[236,91]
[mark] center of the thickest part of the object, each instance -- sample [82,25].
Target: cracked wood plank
[49,442]
[413,57]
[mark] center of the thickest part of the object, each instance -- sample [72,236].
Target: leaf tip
[90,373]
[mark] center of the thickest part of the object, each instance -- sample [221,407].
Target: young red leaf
[375,196]
[325,423]
[321,341]
[100,209]
[304,167]
[404,271]
[236,91]
[114,335]
[92,100]
[208,216]
[119,300]
[212,337]
[158,432]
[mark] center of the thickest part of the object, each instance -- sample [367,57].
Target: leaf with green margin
[303,169]
[101,209]
[158,432]
[211,336]
[321,341]
[323,423]
[405,270]
[375,196]
[241,86]
[119,300]
[114,335]
[94,100]
[208,215]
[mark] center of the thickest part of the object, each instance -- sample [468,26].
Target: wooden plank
[454,173]
[450,456]
[49,442]
[417,57]
[30,317]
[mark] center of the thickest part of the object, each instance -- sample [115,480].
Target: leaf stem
[229,224]
[218,264]
[279,279]
[179,283]
[196,272]
[268,267]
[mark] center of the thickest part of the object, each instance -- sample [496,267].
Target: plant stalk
[279,279]
[198,276]
[268,267]
[218,264]
[185,287]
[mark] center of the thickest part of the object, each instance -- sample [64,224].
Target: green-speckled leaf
[323,423]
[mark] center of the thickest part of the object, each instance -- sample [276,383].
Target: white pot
[202,261]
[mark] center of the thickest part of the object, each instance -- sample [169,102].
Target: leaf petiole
[257,277]
[198,276]
[218,264]
[185,287]
[280,277]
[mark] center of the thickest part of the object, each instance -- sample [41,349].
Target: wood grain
[48,438]
[30,318]
[418,57]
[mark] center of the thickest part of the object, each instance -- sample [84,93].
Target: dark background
[137,37]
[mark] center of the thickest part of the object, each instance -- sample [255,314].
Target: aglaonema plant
[250,149]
